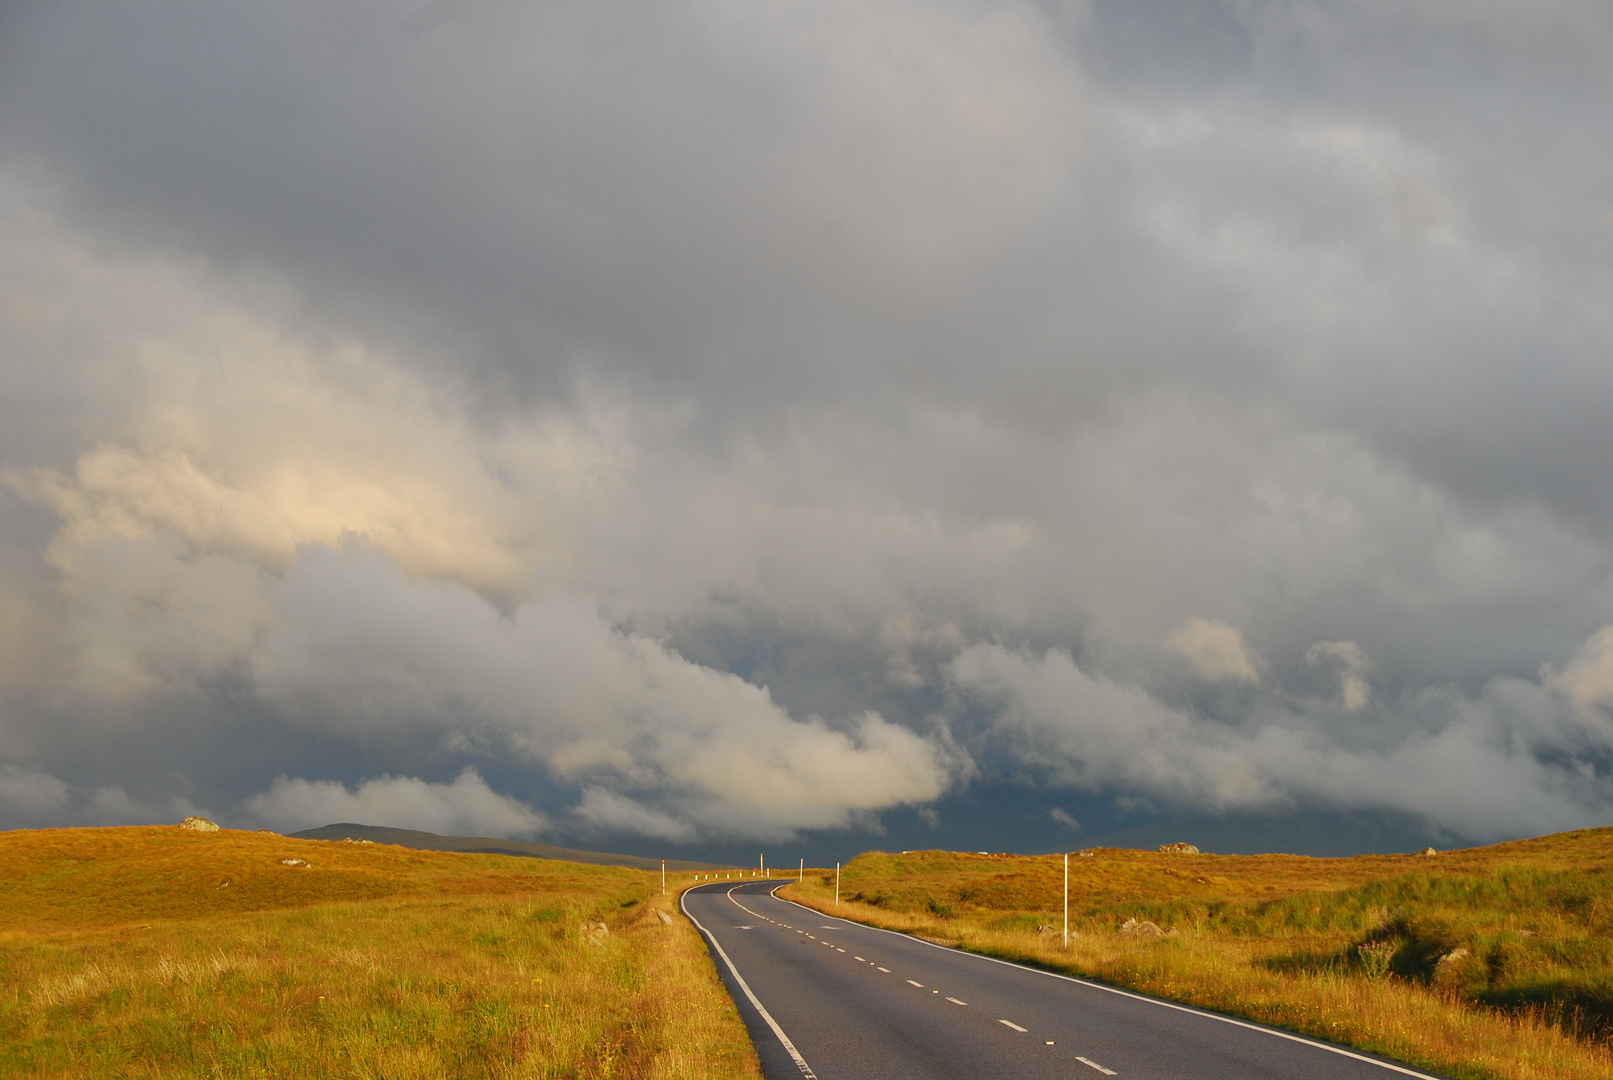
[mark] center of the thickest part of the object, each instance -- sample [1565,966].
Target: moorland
[1491,962]
[164,952]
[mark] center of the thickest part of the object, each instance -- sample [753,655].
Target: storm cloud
[703,422]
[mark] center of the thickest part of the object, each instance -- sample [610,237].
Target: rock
[294,862]
[1087,854]
[198,824]
[224,884]
[596,933]
[1178,849]
[350,840]
[666,920]
[1447,970]
[1429,851]
[1046,929]
[1133,928]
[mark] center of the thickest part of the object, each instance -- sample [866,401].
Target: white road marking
[1094,1065]
[800,1062]
[1010,1023]
[1273,1032]
[744,928]
[839,949]
[955,1001]
[885,970]
[920,985]
[859,958]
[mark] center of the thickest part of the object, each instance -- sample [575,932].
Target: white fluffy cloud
[1587,679]
[1216,650]
[1090,733]
[734,420]
[465,806]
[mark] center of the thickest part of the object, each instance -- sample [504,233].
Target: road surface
[828,999]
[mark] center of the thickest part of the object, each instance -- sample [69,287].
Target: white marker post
[801,874]
[1066,899]
[837,884]
[663,877]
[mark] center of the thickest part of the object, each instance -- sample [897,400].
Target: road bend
[828,999]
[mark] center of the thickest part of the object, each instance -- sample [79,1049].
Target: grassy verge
[123,953]
[1490,963]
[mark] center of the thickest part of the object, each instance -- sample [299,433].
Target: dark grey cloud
[699,420]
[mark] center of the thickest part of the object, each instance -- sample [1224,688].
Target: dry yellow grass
[1525,932]
[122,955]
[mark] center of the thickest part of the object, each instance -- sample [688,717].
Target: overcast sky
[708,422]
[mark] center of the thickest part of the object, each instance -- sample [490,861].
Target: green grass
[120,955]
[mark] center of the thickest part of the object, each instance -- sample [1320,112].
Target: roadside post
[837,884]
[1066,899]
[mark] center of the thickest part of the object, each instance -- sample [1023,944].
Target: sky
[703,427]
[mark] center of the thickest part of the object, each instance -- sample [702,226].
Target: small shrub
[1375,957]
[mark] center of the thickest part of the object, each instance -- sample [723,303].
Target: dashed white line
[920,985]
[1094,1065]
[885,970]
[859,958]
[955,1001]
[1010,1023]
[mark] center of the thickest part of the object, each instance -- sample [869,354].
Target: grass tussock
[121,955]
[1493,962]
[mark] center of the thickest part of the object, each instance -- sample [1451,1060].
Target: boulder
[1132,928]
[1429,851]
[1443,969]
[294,862]
[198,824]
[666,920]
[1178,849]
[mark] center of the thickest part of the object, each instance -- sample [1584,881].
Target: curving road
[828,999]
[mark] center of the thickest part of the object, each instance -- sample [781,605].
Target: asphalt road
[835,1000]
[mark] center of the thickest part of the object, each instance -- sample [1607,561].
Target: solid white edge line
[1234,1021]
[806,1070]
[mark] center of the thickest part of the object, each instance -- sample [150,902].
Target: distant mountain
[425,841]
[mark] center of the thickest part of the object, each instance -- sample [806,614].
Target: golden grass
[1276,939]
[120,955]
